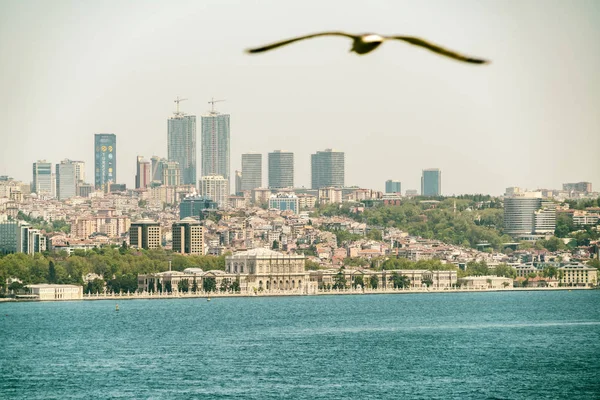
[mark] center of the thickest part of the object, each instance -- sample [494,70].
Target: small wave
[343,330]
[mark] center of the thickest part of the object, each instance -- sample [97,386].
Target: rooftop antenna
[212,102]
[178,100]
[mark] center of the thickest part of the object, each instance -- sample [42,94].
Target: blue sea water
[511,345]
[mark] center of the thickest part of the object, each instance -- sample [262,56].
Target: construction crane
[213,101]
[178,100]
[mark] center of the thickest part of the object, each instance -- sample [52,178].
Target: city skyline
[172,172]
[486,128]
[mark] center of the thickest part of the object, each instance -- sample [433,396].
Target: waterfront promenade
[299,292]
[295,292]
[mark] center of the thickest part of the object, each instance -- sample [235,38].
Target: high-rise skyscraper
[327,169]
[215,144]
[66,180]
[42,178]
[105,160]
[182,144]
[431,182]
[216,188]
[251,171]
[143,174]
[393,186]
[281,169]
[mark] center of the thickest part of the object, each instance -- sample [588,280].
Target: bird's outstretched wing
[437,49]
[292,40]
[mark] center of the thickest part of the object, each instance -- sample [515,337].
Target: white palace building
[262,269]
[256,270]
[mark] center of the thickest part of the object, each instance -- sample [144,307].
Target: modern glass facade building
[105,160]
[529,216]
[8,237]
[215,142]
[431,182]
[42,178]
[66,180]
[20,237]
[251,171]
[393,186]
[327,169]
[181,143]
[281,169]
[194,207]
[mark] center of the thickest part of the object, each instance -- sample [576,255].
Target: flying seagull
[365,43]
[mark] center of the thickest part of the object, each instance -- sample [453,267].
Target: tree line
[117,267]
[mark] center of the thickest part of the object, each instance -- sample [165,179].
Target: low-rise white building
[486,282]
[45,291]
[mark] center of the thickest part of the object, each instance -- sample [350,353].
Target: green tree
[553,244]
[427,281]
[16,287]
[311,265]
[550,271]
[355,262]
[506,271]
[95,286]
[374,234]
[183,286]
[358,281]
[51,272]
[594,263]
[235,286]
[339,280]
[400,281]
[224,285]
[374,281]
[477,268]
[275,245]
[194,285]
[209,284]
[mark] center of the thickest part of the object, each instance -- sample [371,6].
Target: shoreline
[204,295]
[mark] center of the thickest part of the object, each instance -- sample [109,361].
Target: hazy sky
[69,69]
